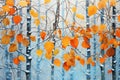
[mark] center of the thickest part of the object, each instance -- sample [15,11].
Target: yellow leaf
[102,27]
[48,46]
[42,17]
[33,13]
[57,62]
[102,4]
[74,9]
[6,8]
[56,51]
[37,22]
[66,57]
[21,58]
[47,1]
[39,52]
[6,21]
[66,22]
[92,10]
[80,16]
[65,41]
[23,3]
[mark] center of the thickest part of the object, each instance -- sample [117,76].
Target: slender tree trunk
[28,49]
[114,57]
[55,25]
[102,51]
[8,62]
[94,51]
[38,47]
[63,72]
[88,50]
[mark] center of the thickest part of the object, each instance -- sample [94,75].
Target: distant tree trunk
[28,49]
[114,57]
[63,72]
[94,50]
[102,51]
[55,25]
[38,46]
[88,50]
[19,53]
[7,69]
[8,63]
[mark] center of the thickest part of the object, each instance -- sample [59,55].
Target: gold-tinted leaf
[80,16]
[21,58]
[57,62]
[47,1]
[5,39]
[48,46]
[39,52]
[6,21]
[23,3]
[92,10]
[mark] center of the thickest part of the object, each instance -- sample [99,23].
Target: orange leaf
[117,33]
[33,38]
[12,11]
[16,61]
[48,56]
[74,42]
[77,57]
[5,39]
[118,17]
[110,52]
[21,58]
[82,61]
[48,46]
[93,63]
[10,2]
[57,62]
[19,38]
[43,35]
[102,60]
[17,19]
[11,33]
[85,44]
[94,29]
[92,10]
[13,47]
[6,21]
[66,66]
[113,2]
[89,60]
[25,42]
[104,46]
[109,71]
[82,31]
